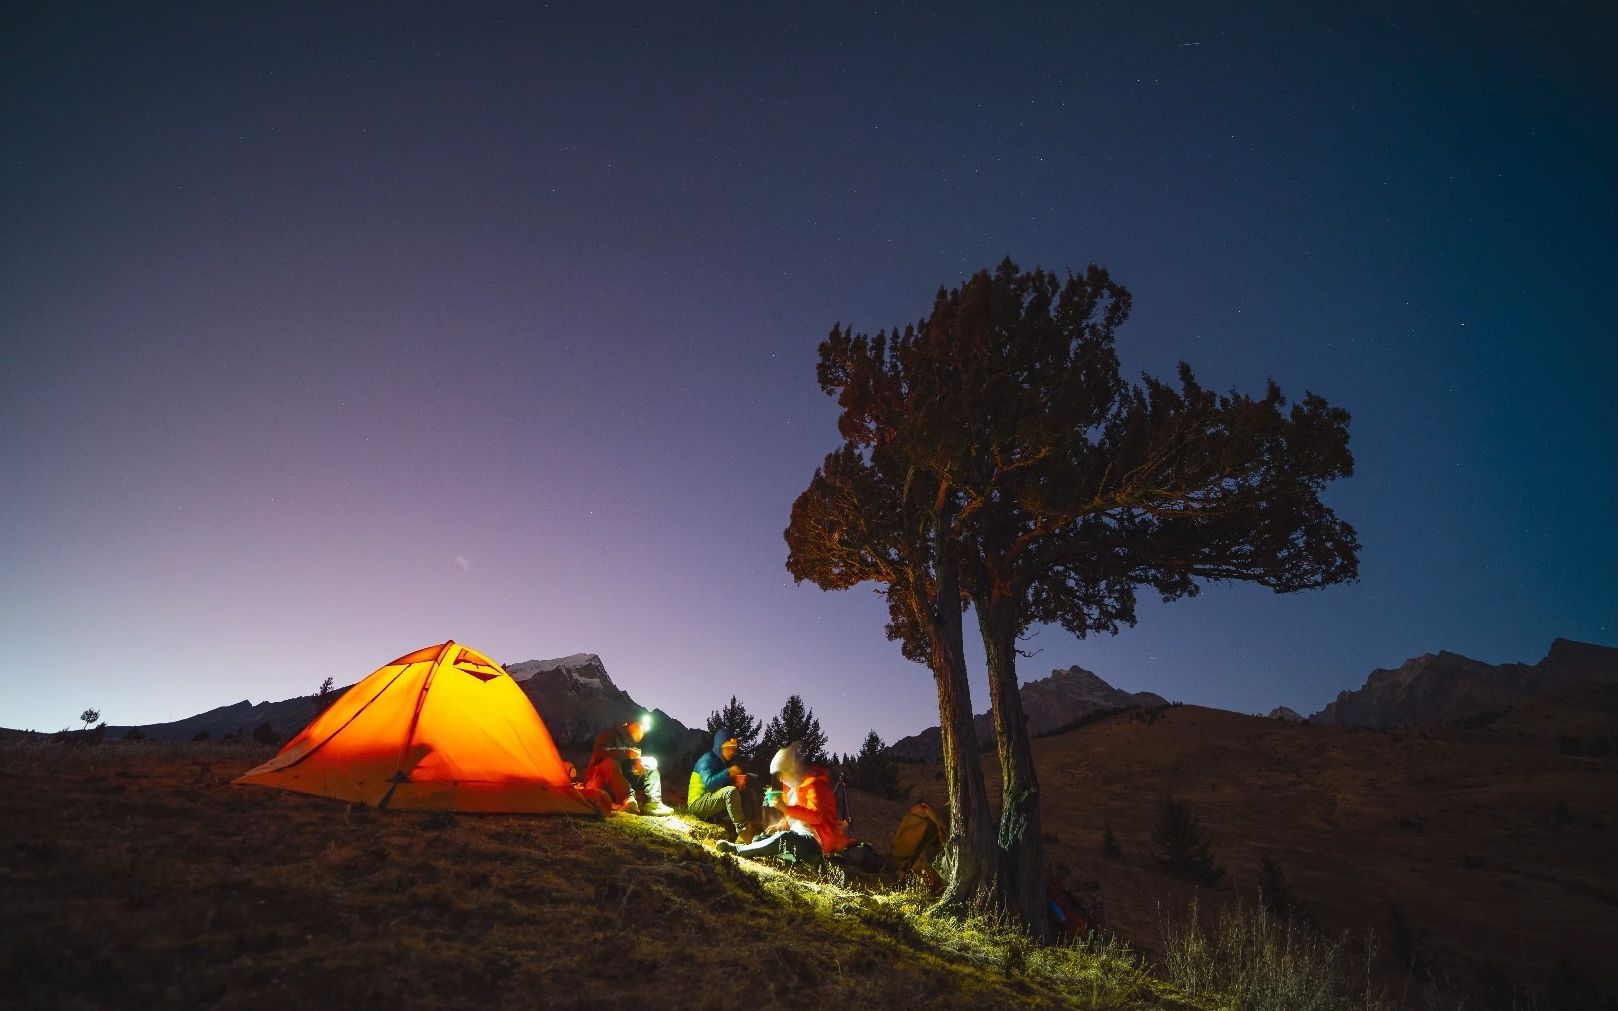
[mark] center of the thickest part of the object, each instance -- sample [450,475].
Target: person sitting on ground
[807,828]
[618,768]
[716,787]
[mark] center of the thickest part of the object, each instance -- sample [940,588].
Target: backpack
[918,839]
[1068,918]
[859,856]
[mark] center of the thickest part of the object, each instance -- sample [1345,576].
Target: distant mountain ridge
[286,718]
[1051,702]
[574,695]
[576,698]
[1446,687]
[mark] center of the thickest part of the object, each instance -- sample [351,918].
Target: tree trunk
[1020,887]
[969,857]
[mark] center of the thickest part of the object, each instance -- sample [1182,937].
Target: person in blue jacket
[716,787]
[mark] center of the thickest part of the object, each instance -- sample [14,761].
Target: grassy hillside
[1498,854]
[134,875]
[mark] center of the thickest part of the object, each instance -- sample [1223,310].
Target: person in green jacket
[716,787]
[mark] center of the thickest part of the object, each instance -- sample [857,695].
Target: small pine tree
[89,716]
[325,695]
[1110,847]
[1183,848]
[796,722]
[873,769]
[1277,895]
[735,718]
[265,734]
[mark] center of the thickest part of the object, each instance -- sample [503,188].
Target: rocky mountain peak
[1448,687]
[582,674]
[1076,677]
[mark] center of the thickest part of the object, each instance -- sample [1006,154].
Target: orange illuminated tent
[443,729]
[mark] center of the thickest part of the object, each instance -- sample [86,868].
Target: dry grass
[134,875]
[1259,963]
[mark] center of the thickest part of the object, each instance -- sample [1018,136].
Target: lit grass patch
[1255,961]
[1098,972]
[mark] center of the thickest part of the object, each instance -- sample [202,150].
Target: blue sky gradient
[331,334]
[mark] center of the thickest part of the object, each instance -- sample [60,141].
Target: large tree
[1071,487]
[877,511]
[1078,488]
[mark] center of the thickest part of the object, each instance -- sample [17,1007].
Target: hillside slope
[1497,850]
[134,875]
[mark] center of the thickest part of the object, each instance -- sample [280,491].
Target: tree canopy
[743,724]
[873,769]
[795,722]
[994,455]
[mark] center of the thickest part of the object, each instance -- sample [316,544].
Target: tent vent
[477,670]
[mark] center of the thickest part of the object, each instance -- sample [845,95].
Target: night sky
[332,331]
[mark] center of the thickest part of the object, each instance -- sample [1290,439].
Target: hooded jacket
[613,743]
[812,809]
[712,772]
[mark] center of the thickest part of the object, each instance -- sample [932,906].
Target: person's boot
[631,806]
[656,808]
[744,835]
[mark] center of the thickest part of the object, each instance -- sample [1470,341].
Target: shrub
[1148,715]
[1277,895]
[201,736]
[1406,943]
[1183,848]
[1261,963]
[1480,720]
[134,734]
[1083,721]
[265,734]
[1110,847]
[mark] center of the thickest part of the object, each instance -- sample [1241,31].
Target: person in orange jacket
[618,769]
[807,827]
